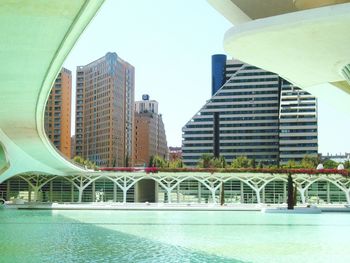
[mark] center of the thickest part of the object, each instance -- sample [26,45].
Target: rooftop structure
[146,105]
[149,132]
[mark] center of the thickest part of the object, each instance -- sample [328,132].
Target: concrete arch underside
[177,188]
[305,42]
[37,36]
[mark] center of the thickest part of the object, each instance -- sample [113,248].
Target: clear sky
[170,43]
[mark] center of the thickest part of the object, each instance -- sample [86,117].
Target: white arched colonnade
[170,181]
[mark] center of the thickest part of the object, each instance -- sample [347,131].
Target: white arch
[36,188]
[340,187]
[168,187]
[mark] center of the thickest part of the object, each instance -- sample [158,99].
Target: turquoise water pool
[168,236]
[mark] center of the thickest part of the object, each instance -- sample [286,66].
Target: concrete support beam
[39,36]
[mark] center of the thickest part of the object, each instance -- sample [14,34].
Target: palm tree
[204,161]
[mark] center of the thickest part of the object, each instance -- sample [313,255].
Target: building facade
[105,111]
[297,123]
[338,157]
[218,72]
[58,113]
[149,132]
[252,114]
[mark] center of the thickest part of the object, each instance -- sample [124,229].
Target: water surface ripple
[170,236]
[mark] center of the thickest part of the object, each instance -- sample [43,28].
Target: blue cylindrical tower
[218,63]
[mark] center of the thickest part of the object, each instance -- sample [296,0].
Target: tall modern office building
[251,114]
[149,132]
[58,112]
[105,111]
[297,123]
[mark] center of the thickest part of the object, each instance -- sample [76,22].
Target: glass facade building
[256,112]
[218,65]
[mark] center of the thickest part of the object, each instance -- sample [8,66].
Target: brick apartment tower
[105,111]
[149,132]
[58,113]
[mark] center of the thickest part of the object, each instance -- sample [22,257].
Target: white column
[168,190]
[114,192]
[302,195]
[328,193]
[124,194]
[80,195]
[347,194]
[212,190]
[72,193]
[136,192]
[257,192]
[8,190]
[307,195]
[242,193]
[93,192]
[29,193]
[35,193]
[51,185]
[178,193]
[220,193]
[263,194]
[199,193]
[156,189]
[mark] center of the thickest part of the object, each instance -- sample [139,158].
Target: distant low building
[149,132]
[339,158]
[175,153]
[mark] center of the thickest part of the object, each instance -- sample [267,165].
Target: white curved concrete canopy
[309,48]
[241,11]
[36,38]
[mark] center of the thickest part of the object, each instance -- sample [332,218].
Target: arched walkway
[274,192]
[236,191]
[177,188]
[324,191]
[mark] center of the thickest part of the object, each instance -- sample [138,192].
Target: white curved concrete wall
[36,37]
